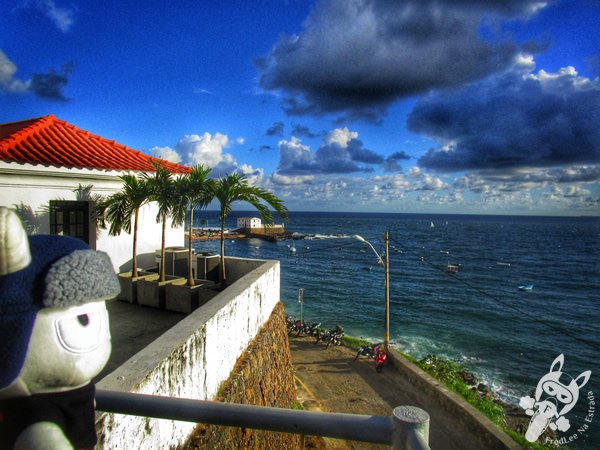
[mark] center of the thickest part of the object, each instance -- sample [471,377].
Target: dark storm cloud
[355,57]
[585,174]
[52,84]
[262,148]
[361,154]
[511,121]
[276,129]
[45,85]
[331,158]
[302,131]
[392,162]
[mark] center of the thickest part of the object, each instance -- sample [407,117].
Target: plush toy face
[68,347]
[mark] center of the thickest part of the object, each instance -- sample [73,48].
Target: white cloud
[414,171]
[565,81]
[277,178]
[8,83]
[433,183]
[340,153]
[206,149]
[62,17]
[294,152]
[340,136]
[166,153]
[202,91]
[437,199]
[254,176]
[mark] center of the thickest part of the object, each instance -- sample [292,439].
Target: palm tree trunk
[222,271]
[190,271]
[162,248]
[134,269]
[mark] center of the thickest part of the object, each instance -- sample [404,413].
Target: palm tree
[234,188]
[195,190]
[121,208]
[162,191]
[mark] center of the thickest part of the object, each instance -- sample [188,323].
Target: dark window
[71,218]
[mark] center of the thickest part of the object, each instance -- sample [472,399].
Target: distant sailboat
[432,225]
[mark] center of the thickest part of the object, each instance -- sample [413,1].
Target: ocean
[509,338]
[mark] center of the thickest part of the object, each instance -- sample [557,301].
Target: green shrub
[352,342]
[453,375]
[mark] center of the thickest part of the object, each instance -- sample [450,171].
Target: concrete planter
[129,285]
[151,292]
[185,299]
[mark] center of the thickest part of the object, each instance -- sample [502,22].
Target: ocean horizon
[478,317]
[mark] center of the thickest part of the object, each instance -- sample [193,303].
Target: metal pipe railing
[408,427]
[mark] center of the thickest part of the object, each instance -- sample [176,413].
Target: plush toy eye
[81,333]
[83,319]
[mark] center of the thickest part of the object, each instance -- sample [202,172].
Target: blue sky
[461,106]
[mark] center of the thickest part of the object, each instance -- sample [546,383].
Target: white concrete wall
[35,186]
[249,222]
[191,359]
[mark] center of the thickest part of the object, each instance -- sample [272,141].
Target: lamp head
[359,238]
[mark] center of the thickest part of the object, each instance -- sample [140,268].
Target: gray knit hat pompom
[80,277]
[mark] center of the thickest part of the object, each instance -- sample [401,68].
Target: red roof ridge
[21,133]
[50,141]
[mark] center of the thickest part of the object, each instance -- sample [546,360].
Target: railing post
[411,428]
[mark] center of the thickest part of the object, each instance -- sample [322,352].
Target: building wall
[249,222]
[192,359]
[34,186]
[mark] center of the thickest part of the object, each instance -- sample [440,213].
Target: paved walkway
[330,380]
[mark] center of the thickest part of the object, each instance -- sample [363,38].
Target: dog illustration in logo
[555,395]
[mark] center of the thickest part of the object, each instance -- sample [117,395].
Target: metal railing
[407,428]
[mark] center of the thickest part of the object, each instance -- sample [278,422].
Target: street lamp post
[386,265]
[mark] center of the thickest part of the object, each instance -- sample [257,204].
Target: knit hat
[63,272]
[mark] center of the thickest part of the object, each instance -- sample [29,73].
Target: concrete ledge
[192,358]
[493,436]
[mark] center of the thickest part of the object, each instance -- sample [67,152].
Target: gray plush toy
[55,337]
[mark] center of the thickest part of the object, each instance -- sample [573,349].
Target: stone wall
[262,376]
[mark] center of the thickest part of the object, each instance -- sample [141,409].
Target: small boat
[432,225]
[526,287]
[452,268]
[500,263]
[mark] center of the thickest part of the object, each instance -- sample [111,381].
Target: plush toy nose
[14,244]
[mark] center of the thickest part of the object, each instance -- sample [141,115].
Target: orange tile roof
[52,142]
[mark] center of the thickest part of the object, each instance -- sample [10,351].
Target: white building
[50,172]
[249,222]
